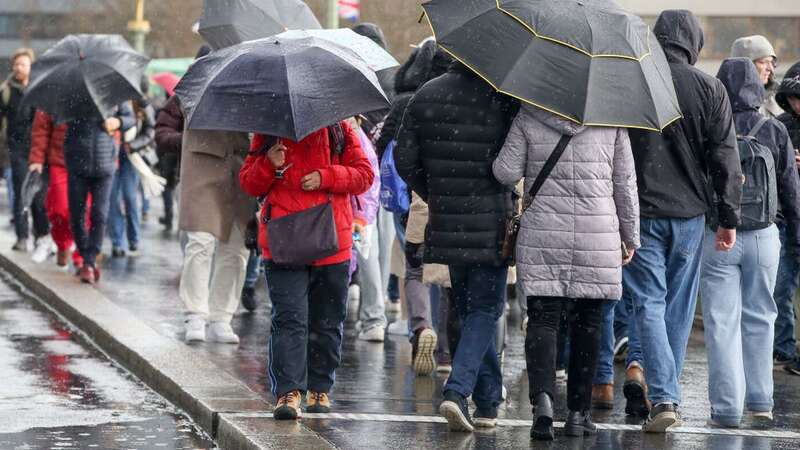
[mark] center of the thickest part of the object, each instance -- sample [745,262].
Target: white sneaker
[374,334]
[392,307]
[42,249]
[222,332]
[398,328]
[195,330]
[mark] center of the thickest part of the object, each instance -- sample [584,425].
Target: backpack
[394,192]
[760,189]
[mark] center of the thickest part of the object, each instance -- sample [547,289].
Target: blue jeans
[604,374]
[787,283]
[9,186]
[479,293]
[253,269]
[739,316]
[125,188]
[662,280]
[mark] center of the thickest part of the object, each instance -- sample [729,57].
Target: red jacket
[349,174]
[47,141]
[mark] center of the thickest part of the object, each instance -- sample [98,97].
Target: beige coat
[210,197]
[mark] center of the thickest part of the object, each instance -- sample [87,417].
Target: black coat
[677,170]
[452,131]
[19,120]
[790,86]
[89,151]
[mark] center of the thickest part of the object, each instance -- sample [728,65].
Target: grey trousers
[418,300]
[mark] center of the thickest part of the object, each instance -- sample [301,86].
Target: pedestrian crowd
[435,189]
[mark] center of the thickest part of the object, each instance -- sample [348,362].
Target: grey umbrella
[278,86]
[229,22]
[586,60]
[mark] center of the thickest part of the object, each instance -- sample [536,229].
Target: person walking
[736,286]
[19,120]
[47,148]
[574,237]
[125,226]
[169,136]
[451,133]
[675,170]
[91,147]
[309,301]
[758,49]
[785,350]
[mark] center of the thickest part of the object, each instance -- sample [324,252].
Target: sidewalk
[135,315]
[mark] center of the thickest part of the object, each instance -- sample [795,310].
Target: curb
[206,393]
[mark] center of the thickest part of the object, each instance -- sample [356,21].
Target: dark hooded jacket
[790,86]
[385,77]
[425,63]
[747,94]
[452,131]
[89,151]
[678,169]
[19,119]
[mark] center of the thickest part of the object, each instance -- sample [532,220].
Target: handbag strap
[549,165]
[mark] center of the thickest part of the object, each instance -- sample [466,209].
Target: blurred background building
[39,23]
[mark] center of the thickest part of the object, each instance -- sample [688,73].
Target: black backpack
[760,189]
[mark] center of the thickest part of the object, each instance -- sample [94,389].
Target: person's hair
[23,52]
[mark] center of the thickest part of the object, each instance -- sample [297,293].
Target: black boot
[543,424]
[579,424]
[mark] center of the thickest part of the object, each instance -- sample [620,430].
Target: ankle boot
[543,423]
[579,423]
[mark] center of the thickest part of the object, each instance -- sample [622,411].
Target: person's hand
[36,167]
[112,124]
[311,182]
[726,239]
[629,258]
[414,254]
[277,155]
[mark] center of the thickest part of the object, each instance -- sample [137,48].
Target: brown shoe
[288,407]
[603,396]
[635,390]
[87,274]
[318,402]
[62,258]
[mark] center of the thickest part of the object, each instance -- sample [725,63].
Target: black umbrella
[278,86]
[86,74]
[230,22]
[586,60]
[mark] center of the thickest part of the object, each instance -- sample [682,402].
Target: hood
[204,50]
[553,121]
[425,63]
[680,35]
[789,86]
[741,80]
[371,31]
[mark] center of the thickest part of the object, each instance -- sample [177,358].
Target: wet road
[58,392]
[378,401]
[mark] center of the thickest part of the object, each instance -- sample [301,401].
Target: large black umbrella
[230,22]
[86,74]
[586,60]
[278,86]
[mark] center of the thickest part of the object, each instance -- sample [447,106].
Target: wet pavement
[378,401]
[59,392]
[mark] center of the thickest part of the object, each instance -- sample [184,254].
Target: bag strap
[754,131]
[549,165]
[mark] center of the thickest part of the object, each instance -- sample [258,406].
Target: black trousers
[309,306]
[41,226]
[89,242]
[584,318]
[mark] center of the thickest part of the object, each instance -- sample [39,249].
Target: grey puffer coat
[570,241]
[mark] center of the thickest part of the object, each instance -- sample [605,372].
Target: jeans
[371,311]
[253,269]
[662,281]
[634,339]
[739,316]
[89,242]
[41,226]
[787,283]
[584,318]
[125,189]
[309,306]
[479,294]
[604,374]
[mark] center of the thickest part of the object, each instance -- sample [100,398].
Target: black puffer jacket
[790,86]
[19,119]
[91,152]
[425,63]
[674,169]
[452,132]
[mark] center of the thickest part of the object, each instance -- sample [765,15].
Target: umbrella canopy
[167,81]
[371,53]
[278,86]
[588,61]
[230,22]
[86,74]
